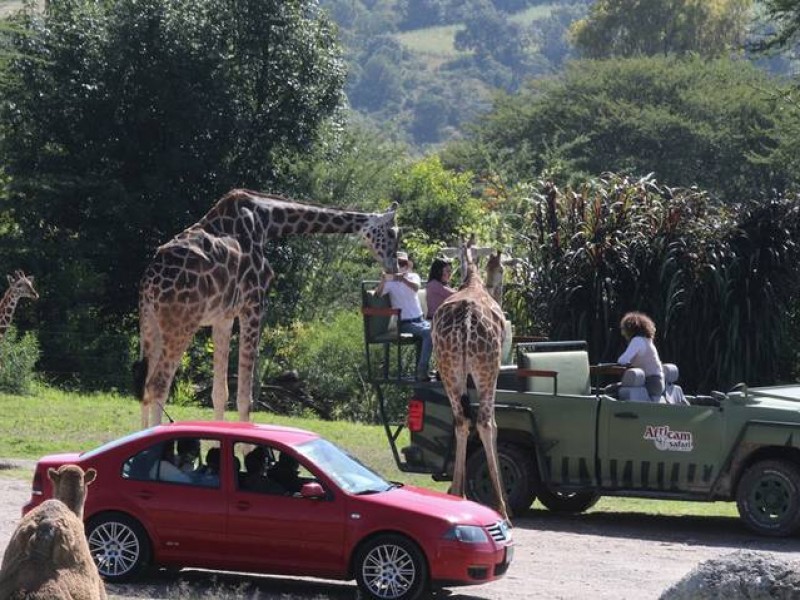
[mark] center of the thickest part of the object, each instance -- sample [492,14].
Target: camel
[48,556]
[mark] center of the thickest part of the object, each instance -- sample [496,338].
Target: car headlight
[469,534]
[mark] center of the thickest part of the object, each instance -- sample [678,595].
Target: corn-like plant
[719,281]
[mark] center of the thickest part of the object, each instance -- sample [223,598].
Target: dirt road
[597,556]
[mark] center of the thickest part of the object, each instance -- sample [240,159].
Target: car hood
[432,503]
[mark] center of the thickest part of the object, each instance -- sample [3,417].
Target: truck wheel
[567,502]
[768,497]
[516,471]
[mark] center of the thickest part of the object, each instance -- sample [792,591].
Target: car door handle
[243,505]
[626,415]
[144,494]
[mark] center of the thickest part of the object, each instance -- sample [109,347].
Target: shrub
[18,356]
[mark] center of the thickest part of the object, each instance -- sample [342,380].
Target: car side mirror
[312,491]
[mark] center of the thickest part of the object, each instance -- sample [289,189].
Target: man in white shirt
[402,288]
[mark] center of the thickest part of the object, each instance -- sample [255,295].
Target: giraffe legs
[221,334]
[249,334]
[455,385]
[159,378]
[488,434]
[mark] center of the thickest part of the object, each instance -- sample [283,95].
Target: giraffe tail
[139,378]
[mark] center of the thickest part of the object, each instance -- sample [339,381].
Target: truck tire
[567,502]
[768,497]
[516,470]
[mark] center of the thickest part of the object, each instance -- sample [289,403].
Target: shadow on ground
[198,584]
[723,532]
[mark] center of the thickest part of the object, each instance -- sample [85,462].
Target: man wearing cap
[402,288]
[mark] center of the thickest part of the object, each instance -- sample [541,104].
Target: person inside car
[286,472]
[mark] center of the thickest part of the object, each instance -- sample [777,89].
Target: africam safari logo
[666,439]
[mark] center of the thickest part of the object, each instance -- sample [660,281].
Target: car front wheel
[768,498]
[119,546]
[391,567]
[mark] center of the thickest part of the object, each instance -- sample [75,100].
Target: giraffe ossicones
[216,271]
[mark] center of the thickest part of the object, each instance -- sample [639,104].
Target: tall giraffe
[19,286]
[216,271]
[468,330]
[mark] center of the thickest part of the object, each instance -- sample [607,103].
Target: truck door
[660,447]
[566,438]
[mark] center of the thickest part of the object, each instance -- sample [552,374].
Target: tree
[691,122]
[784,17]
[627,28]
[124,122]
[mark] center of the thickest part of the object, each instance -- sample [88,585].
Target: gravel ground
[602,556]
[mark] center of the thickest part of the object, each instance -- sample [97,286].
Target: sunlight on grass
[51,421]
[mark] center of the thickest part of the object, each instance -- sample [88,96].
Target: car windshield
[346,471]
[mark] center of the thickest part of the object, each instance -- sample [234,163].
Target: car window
[185,460]
[268,470]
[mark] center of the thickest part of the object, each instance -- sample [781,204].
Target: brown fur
[48,556]
[467,334]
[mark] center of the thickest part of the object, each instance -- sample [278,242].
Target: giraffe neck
[264,217]
[7,306]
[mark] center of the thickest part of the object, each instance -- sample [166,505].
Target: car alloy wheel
[119,546]
[391,567]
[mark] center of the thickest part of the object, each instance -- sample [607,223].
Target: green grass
[438,43]
[8,7]
[51,421]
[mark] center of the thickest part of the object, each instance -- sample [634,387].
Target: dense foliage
[720,125]
[720,282]
[632,28]
[123,122]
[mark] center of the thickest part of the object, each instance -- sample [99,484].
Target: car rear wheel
[119,546]
[567,502]
[391,567]
[516,470]
[768,497]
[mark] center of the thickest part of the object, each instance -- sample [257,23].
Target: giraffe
[216,271]
[19,286]
[468,330]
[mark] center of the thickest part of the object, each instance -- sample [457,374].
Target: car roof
[287,435]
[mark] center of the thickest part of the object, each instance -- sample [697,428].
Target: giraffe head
[21,285]
[383,238]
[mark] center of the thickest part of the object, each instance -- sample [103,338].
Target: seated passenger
[255,480]
[286,473]
[438,289]
[402,288]
[639,330]
[188,453]
[166,470]
[208,474]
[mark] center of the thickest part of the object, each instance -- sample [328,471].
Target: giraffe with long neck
[217,271]
[467,332]
[19,286]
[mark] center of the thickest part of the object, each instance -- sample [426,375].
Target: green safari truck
[567,437]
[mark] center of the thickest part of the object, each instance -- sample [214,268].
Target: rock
[743,575]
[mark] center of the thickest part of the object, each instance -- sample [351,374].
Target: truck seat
[570,369]
[673,393]
[632,386]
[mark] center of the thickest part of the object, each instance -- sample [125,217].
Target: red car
[268,499]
